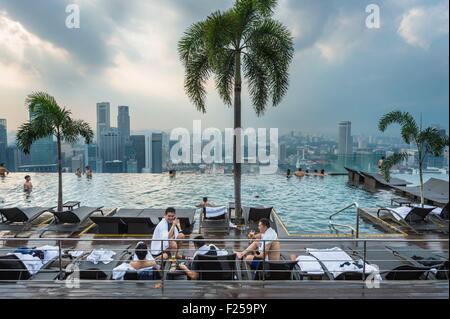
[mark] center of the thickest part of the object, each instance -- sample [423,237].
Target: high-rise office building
[138,150]
[110,145]
[157,153]
[91,156]
[103,119]
[345,138]
[3,141]
[123,123]
[43,151]
[154,153]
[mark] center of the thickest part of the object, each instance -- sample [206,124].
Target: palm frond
[73,129]
[224,76]
[390,162]
[30,132]
[271,43]
[409,128]
[432,141]
[258,83]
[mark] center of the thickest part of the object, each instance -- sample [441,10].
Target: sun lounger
[424,258]
[309,267]
[214,218]
[117,223]
[275,270]
[392,267]
[436,191]
[252,215]
[19,219]
[339,265]
[406,216]
[13,268]
[88,270]
[71,220]
[217,267]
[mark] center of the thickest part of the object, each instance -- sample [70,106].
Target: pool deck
[232,290]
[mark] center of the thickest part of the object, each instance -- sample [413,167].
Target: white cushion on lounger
[403,211]
[332,258]
[310,265]
[215,211]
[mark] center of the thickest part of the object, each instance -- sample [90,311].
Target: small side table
[71,205]
[400,201]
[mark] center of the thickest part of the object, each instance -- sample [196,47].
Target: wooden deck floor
[231,290]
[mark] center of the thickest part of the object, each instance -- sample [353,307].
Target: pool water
[304,205]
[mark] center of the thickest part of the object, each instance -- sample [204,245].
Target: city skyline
[340,66]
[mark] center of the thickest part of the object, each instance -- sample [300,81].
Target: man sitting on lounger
[166,229]
[265,246]
[201,249]
[143,258]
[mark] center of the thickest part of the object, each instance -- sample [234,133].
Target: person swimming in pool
[299,172]
[27,186]
[3,170]
[322,173]
[172,173]
[288,173]
[204,203]
[78,172]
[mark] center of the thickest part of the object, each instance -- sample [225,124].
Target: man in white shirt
[168,228]
[266,245]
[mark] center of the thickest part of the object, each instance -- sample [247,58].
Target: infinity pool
[304,205]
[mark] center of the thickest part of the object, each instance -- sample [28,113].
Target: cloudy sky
[126,53]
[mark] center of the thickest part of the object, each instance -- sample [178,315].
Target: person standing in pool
[88,172]
[381,162]
[78,172]
[288,173]
[3,170]
[27,186]
[322,173]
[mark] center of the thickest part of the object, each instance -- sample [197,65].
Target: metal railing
[367,256]
[355,231]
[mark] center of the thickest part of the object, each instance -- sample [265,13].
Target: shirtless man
[3,170]
[78,172]
[299,172]
[27,186]
[258,251]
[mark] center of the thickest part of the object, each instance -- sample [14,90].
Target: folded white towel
[310,265]
[102,255]
[76,253]
[215,211]
[50,252]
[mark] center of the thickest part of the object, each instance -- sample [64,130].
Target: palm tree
[244,40]
[428,142]
[48,118]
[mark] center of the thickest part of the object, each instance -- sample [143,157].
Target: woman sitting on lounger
[265,246]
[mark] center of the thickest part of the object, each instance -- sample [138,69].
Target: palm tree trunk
[237,139]
[422,199]
[60,201]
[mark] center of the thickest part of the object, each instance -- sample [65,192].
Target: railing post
[364,260]
[162,266]
[264,261]
[357,222]
[60,259]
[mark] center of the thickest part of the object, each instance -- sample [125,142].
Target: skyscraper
[103,119]
[110,145]
[345,138]
[43,151]
[3,140]
[157,152]
[123,123]
[138,150]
